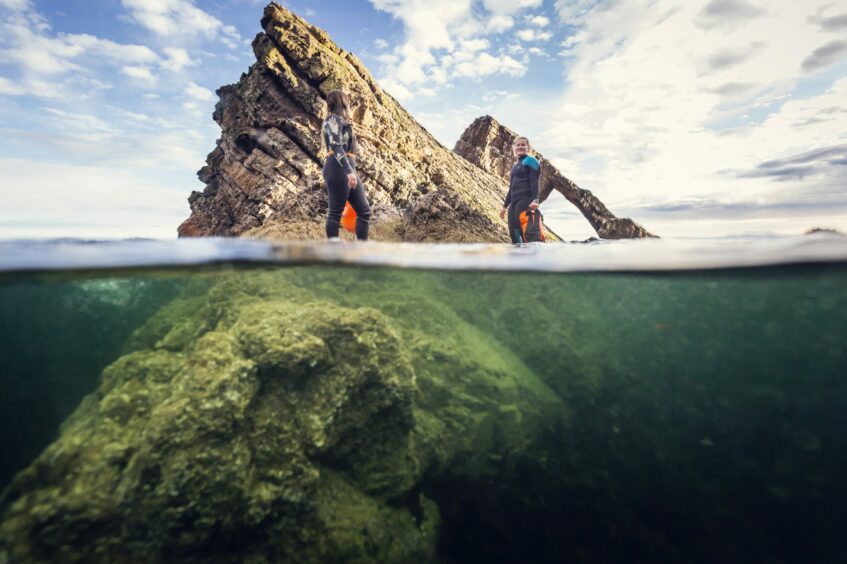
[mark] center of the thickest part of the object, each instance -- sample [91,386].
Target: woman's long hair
[338,103]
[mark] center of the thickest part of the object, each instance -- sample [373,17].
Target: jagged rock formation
[488,145]
[257,419]
[823,230]
[264,177]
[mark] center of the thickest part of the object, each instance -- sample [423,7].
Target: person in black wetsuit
[342,182]
[523,188]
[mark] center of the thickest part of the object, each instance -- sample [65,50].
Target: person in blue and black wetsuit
[523,188]
[342,182]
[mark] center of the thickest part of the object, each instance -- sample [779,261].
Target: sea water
[694,392]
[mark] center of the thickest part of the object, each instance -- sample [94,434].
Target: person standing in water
[342,182]
[523,188]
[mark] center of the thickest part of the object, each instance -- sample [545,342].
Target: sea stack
[264,177]
[488,145]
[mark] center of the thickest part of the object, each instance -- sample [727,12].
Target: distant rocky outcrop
[488,145]
[829,231]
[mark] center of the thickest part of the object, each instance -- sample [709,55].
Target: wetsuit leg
[336,191]
[518,205]
[359,201]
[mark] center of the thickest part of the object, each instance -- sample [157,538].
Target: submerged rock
[251,420]
[488,145]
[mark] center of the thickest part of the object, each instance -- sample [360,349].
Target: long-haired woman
[342,182]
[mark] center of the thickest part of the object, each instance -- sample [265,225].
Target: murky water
[367,412]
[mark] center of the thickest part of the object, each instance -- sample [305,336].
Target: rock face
[264,177]
[258,419]
[488,145]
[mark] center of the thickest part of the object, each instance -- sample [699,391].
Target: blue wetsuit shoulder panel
[531,162]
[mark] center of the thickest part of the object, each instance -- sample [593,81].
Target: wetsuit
[523,189]
[338,137]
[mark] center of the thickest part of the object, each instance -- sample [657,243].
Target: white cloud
[387,59]
[170,18]
[485,64]
[444,39]
[726,13]
[533,35]
[396,89]
[141,73]
[177,59]
[540,21]
[38,55]
[509,7]
[500,23]
[55,199]
[15,5]
[380,43]
[43,88]
[121,53]
[825,55]
[198,92]
[634,131]
[82,122]
[230,37]
[575,12]
[84,138]
[141,118]
[10,88]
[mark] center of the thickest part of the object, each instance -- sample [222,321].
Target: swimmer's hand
[352,181]
[503,213]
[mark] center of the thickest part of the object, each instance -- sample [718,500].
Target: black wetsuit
[523,189]
[338,137]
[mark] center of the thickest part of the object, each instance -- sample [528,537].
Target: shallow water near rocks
[590,403]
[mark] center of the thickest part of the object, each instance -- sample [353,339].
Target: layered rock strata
[488,144]
[264,177]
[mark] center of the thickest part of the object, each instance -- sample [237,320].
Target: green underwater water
[641,417]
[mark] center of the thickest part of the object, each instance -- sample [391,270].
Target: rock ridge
[263,178]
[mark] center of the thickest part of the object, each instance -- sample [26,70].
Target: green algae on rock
[259,420]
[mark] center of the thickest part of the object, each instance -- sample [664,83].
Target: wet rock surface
[488,145]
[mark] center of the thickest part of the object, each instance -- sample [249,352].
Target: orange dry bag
[532,227]
[348,218]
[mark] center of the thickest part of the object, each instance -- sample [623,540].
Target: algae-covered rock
[263,418]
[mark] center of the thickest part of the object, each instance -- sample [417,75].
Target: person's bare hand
[533,205]
[503,213]
[352,181]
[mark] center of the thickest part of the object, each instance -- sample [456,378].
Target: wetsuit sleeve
[332,138]
[534,175]
[508,199]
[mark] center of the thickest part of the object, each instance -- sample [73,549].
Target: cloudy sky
[698,118]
